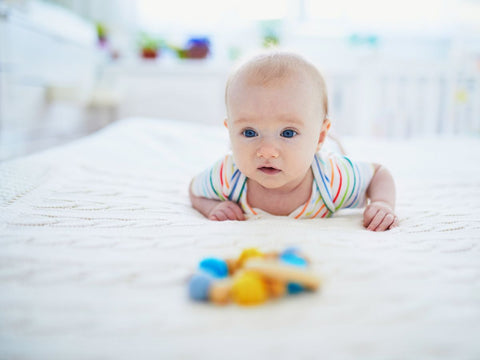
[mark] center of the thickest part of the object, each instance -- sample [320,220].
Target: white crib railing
[405,101]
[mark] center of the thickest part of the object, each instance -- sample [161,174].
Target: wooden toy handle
[283,272]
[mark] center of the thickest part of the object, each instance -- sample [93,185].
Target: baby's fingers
[230,213]
[238,213]
[386,223]
[226,211]
[369,215]
[377,220]
[394,224]
[218,215]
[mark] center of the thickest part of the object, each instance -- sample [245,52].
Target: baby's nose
[268,151]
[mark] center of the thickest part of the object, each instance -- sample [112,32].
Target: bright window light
[422,15]
[377,11]
[151,13]
[404,14]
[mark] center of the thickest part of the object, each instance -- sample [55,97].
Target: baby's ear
[323,132]
[327,123]
[225,123]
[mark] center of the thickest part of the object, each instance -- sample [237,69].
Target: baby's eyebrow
[292,120]
[241,121]
[287,120]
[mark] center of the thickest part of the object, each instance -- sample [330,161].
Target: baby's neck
[279,201]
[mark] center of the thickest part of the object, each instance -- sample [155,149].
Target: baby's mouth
[269,170]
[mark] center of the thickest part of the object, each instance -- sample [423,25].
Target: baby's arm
[379,215]
[216,209]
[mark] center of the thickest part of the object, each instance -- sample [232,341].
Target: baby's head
[270,68]
[276,116]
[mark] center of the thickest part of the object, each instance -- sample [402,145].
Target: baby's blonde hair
[272,65]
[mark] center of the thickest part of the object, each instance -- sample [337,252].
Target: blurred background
[394,69]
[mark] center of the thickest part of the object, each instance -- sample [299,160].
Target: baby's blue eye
[289,133]
[249,133]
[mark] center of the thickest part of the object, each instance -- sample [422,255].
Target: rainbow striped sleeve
[223,181]
[351,182]
[342,182]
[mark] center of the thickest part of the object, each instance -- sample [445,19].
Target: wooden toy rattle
[253,277]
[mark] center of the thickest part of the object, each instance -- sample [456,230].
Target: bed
[98,239]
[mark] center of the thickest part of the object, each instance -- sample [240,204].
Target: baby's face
[275,130]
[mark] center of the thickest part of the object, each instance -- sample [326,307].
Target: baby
[277,119]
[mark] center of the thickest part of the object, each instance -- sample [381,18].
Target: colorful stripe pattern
[223,181]
[338,183]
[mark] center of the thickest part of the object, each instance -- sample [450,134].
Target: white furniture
[48,60]
[184,90]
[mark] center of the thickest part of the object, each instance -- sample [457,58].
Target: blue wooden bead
[199,286]
[214,266]
[291,250]
[293,259]
[294,288]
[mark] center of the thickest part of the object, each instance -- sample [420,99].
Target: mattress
[98,240]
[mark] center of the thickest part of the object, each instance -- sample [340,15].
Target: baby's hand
[379,216]
[226,210]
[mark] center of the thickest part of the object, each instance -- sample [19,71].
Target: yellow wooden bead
[248,254]
[249,289]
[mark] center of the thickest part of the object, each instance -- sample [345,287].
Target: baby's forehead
[277,69]
[266,74]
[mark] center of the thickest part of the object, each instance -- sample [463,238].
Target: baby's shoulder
[227,168]
[327,165]
[323,159]
[329,158]
[329,162]
[228,162]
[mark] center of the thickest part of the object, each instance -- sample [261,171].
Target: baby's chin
[266,183]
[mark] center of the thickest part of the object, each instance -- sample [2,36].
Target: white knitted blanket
[97,239]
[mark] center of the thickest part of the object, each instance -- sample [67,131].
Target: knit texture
[98,240]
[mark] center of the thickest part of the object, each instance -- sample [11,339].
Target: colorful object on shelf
[198,48]
[149,46]
[102,33]
[370,40]
[252,278]
[195,48]
[270,30]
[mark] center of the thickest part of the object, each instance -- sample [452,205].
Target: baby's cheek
[304,154]
[243,165]
[240,151]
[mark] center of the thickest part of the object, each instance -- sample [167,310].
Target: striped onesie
[338,183]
